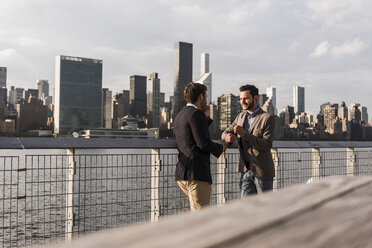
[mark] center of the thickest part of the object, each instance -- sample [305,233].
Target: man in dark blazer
[254,129]
[193,173]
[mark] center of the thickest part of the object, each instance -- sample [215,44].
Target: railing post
[70,195]
[316,164]
[155,176]
[274,152]
[221,168]
[350,162]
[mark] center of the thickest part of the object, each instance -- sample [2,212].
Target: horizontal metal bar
[107,143]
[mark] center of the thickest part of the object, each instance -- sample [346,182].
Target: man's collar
[254,112]
[190,104]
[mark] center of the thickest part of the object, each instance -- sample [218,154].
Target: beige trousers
[198,192]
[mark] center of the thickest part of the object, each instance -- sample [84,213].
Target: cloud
[17,65]
[348,48]
[332,12]
[337,52]
[321,49]
[250,9]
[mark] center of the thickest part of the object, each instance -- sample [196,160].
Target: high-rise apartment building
[363,114]
[153,103]
[261,99]
[268,107]
[287,115]
[78,94]
[322,106]
[182,74]
[3,89]
[271,94]
[206,76]
[342,111]
[12,96]
[43,88]
[299,99]
[120,104]
[3,95]
[228,108]
[162,100]
[354,113]
[31,115]
[107,108]
[3,73]
[330,115]
[137,96]
[34,93]
[15,94]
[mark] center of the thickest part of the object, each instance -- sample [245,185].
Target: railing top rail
[110,143]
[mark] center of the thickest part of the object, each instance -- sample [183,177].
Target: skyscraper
[162,99]
[12,96]
[78,94]
[3,77]
[137,96]
[43,88]
[363,113]
[354,113]
[3,89]
[261,99]
[34,93]
[107,108]
[120,104]
[182,74]
[342,111]
[299,99]
[19,94]
[154,104]
[271,93]
[228,109]
[3,95]
[206,76]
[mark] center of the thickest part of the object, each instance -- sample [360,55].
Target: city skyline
[323,46]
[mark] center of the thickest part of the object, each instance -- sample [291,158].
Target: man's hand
[230,138]
[239,131]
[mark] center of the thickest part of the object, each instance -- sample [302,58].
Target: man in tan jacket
[254,130]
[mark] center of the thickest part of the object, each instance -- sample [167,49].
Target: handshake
[231,134]
[230,137]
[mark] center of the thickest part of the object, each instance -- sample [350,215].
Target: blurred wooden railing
[333,212]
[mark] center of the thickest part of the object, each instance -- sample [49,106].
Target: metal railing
[70,190]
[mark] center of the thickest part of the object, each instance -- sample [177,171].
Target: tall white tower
[206,76]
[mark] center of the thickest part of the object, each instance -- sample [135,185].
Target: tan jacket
[259,140]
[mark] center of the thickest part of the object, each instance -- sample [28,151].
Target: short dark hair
[252,89]
[193,90]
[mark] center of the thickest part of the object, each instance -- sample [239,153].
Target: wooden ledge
[334,212]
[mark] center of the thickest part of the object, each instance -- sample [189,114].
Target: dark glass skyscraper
[2,76]
[299,99]
[78,94]
[137,96]
[153,106]
[182,74]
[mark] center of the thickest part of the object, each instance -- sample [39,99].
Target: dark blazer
[194,145]
[259,140]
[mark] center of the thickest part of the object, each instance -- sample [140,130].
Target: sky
[322,45]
